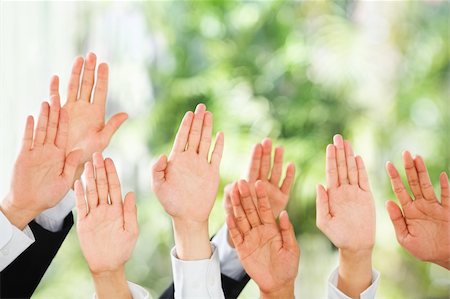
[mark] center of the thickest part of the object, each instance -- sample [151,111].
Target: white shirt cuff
[12,241]
[230,265]
[335,293]
[137,292]
[197,279]
[53,219]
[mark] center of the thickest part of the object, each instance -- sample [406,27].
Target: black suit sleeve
[231,288]
[21,277]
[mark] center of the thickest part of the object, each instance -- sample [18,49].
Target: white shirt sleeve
[53,219]
[137,292]
[197,279]
[335,293]
[230,264]
[13,241]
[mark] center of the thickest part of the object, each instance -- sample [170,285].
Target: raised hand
[345,213]
[107,227]
[43,172]
[186,183]
[260,169]
[423,228]
[268,252]
[86,106]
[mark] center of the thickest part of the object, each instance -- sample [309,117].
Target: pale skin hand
[43,172]
[268,252]
[270,175]
[107,228]
[423,228]
[86,107]
[186,183]
[345,213]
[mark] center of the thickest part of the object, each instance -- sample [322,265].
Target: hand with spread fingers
[268,252]
[86,107]
[345,213]
[43,172]
[186,183]
[269,175]
[422,224]
[107,227]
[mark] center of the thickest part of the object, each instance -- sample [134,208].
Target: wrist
[191,239]
[286,291]
[355,271]
[355,256]
[16,216]
[111,283]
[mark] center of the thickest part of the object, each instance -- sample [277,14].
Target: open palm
[86,107]
[107,229]
[423,228]
[269,253]
[345,210]
[188,176]
[43,173]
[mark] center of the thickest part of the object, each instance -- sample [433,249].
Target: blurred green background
[298,72]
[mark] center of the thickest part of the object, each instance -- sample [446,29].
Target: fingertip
[103,67]
[188,114]
[200,108]
[124,115]
[257,148]
[54,79]
[258,183]
[45,105]
[284,215]
[79,59]
[406,153]
[330,149]
[109,161]
[443,177]
[260,189]
[97,157]
[285,222]
[337,139]
[220,135]
[78,186]
[266,143]
[390,168]
[91,57]
[290,168]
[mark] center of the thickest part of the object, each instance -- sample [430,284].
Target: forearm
[191,240]
[284,292]
[111,285]
[355,272]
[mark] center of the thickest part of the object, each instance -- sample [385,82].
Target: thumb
[81,205]
[322,206]
[227,199]
[287,232]
[73,160]
[401,230]
[130,213]
[113,125]
[158,171]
